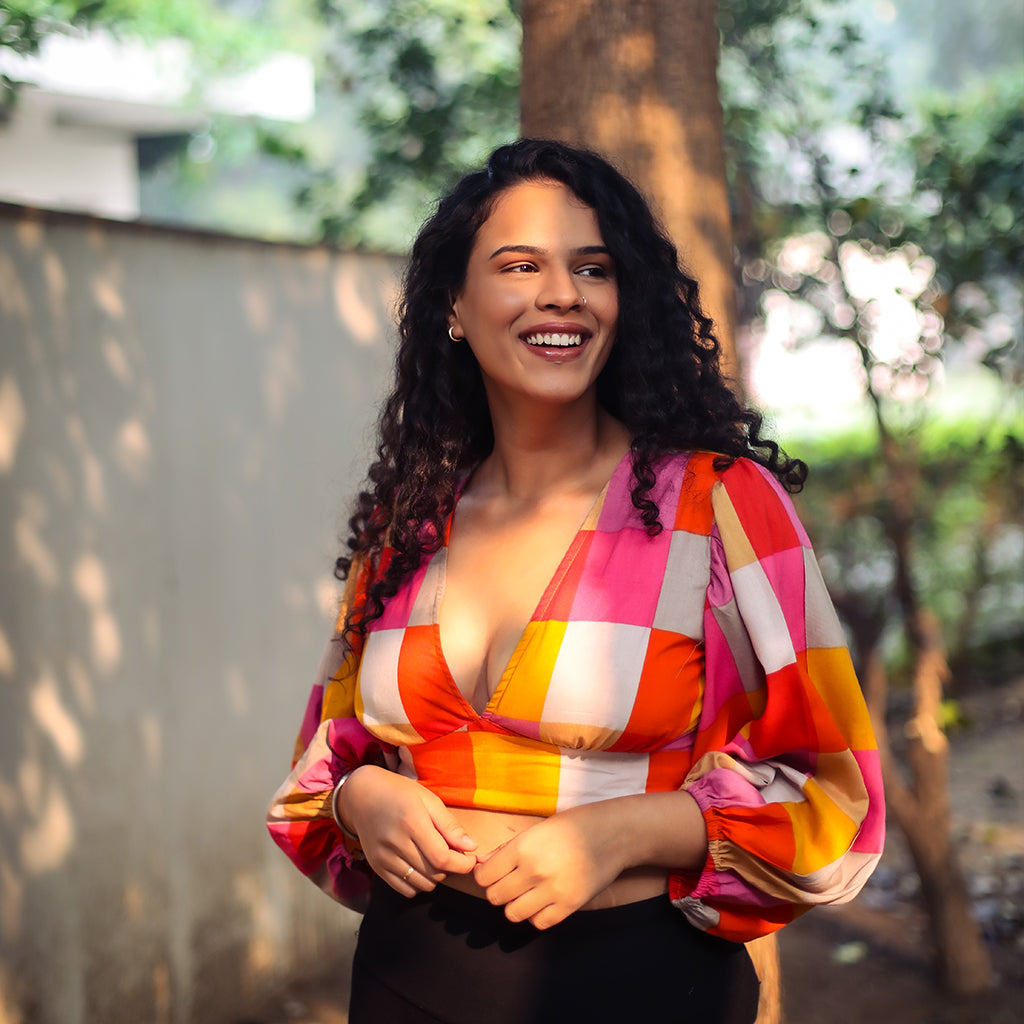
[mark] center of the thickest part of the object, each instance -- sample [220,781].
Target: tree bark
[922,811]
[636,80]
[765,954]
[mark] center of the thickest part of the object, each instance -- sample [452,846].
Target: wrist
[339,808]
[609,831]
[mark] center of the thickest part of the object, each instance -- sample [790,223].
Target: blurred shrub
[966,484]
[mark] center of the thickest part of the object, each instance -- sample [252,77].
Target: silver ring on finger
[405,877]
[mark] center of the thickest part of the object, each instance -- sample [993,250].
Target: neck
[555,449]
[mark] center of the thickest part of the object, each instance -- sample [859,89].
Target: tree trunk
[636,80]
[923,814]
[765,954]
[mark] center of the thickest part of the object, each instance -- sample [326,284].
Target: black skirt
[452,958]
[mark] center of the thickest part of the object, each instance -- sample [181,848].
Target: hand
[402,825]
[552,869]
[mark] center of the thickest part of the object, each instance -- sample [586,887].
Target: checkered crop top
[706,657]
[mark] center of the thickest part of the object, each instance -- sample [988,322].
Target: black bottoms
[448,958]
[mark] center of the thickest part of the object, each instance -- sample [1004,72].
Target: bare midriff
[493,828]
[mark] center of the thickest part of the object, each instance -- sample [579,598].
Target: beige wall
[181,422]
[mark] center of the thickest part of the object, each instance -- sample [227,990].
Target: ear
[454,325]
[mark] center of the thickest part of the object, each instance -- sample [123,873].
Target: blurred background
[204,206]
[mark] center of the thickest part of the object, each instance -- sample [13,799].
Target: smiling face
[534,261]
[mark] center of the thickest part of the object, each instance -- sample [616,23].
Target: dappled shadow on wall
[179,418]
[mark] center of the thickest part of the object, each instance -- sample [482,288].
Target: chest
[610,658]
[496,574]
[588,638]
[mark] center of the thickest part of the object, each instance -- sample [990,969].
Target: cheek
[609,311]
[496,305]
[505,300]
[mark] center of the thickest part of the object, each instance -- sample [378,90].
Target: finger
[422,863]
[395,857]
[435,857]
[438,855]
[408,881]
[487,855]
[452,831]
[526,907]
[458,863]
[493,866]
[548,916]
[508,889]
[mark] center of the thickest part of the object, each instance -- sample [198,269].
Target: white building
[70,140]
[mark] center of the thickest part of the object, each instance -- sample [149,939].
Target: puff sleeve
[331,743]
[785,767]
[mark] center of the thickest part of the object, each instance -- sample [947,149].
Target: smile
[555,340]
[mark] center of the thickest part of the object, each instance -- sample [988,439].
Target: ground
[867,963]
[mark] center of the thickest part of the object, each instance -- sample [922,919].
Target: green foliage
[955,46]
[24,26]
[435,84]
[799,81]
[212,179]
[219,36]
[809,111]
[968,154]
[219,39]
[822,154]
[411,94]
[967,481]
[951,716]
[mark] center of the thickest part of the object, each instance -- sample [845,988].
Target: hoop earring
[452,336]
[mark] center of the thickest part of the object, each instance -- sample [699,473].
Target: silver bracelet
[334,806]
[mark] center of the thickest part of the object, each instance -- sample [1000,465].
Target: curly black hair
[663,378]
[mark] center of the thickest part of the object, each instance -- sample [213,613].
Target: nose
[559,290]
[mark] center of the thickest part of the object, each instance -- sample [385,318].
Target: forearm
[649,829]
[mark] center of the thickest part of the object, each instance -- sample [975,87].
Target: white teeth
[555,340]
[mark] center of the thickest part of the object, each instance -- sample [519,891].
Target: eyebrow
[533,250]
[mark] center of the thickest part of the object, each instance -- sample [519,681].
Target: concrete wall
[183,419]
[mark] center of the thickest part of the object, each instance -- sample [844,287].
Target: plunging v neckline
[546,597]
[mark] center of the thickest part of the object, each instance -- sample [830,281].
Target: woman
[574,766]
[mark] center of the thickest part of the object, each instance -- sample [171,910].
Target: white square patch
[767,626]
[378,679]
[596,674]
[588,776]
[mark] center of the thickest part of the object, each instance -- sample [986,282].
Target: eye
[594,270]
[519,268]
